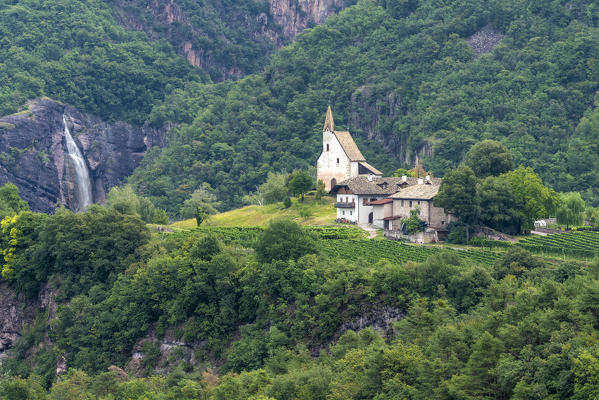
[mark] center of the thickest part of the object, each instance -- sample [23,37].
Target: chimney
[428,179]
[404,178]
[369,177]
[420,181]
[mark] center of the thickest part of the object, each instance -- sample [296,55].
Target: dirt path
[372,231]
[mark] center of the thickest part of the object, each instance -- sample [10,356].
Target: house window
[410,203]
[327,147]
[337,161]
[351,213]
[442,222]
[364,201]
[418,202]
[402,203]
[343,212]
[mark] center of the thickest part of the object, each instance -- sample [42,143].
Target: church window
[327,147]
[337,161]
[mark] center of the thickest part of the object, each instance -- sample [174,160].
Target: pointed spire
[328,122]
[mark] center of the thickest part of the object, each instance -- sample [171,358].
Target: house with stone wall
[364,196]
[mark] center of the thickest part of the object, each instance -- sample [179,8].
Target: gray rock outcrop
[15,314]
[33,152]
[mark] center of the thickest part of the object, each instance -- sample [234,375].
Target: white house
[340,158]
[358,198]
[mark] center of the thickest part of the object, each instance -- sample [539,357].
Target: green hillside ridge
[276,315]
[309,212]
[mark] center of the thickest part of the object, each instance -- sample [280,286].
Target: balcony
[342,204]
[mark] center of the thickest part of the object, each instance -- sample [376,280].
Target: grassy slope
[321,213]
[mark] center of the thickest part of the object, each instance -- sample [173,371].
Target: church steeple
[328,122]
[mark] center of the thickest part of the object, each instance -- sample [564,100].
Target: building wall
[327,167]
[360,213]
[353,169]
[363,210]
[380,212]
[350,214]
[434,216]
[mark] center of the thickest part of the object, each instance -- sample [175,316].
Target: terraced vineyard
[398,252]
[575,243]
[245,235]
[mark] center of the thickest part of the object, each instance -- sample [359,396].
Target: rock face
[33,153]
[14,315]
[296,15]
[263,25]
[485,40]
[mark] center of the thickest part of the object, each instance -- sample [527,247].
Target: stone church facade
[340,158]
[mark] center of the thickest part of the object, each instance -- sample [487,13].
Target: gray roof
[417,192]
[384,186]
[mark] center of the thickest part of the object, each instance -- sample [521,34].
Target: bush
[284,239]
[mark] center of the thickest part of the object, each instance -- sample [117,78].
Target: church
[364,196]
[340,159]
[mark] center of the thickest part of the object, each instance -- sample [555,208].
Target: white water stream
[84,189]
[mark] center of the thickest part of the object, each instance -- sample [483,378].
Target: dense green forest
[402,78]
[276,316]
[231,36]
[75,52]
[399,74]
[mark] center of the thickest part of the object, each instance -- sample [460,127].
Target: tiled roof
[371,168]
[417,192]
[378,185]
[349,146]
[380,202]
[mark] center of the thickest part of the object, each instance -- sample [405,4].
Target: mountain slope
[227,39]
[406,82]
[76,52]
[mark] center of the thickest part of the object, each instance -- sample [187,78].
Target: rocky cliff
[225,39]
[33,153]
[296,15]
[15,313]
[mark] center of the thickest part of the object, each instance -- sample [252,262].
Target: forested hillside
[75,52]
[402,77]
[284,312]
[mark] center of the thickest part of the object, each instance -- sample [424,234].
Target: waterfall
[83,183]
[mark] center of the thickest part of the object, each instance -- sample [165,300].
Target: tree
[10,202]
[458,195]
[499,207]
[320,190]
[571,210]
[126,201]
[413,224]
[537,200]
[284,239]
[274,189]
[489,158]
[299,183]
[203,200]
[200,214]
[402,172]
